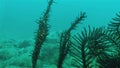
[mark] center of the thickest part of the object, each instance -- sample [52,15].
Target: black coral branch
[90,44]
[65,40]
[42,32]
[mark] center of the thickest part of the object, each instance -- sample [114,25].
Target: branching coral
[42,32]
[109,62]
[89,45]
[113,36]
[92,45]
[114,28]
[65,40]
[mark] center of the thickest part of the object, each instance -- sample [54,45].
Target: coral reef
[90,48]
[11,56]
[99,47]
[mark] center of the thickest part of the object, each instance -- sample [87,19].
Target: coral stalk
[65,40]
[42,32]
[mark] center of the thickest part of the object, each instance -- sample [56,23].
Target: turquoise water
[18,26]
[18,17]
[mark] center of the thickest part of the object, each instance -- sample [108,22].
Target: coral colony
[91,48]
[97,47]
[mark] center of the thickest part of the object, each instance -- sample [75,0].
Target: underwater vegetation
[65,40]
[42,32]
[91,48]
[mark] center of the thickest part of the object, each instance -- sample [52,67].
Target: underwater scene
[59,33]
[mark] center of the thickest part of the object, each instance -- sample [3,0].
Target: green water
[18,26]
[18,17]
